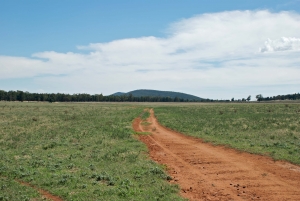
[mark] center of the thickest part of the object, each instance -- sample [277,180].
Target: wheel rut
[44,193]
[207,172]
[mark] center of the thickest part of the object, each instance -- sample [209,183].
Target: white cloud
[16,67]
[205,55]
[282,44]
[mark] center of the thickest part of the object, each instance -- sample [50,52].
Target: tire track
[44,193]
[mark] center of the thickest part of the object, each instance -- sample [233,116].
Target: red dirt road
[207,172]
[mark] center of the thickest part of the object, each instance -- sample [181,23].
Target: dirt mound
[207,172]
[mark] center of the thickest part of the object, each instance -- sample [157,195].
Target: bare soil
[207,172]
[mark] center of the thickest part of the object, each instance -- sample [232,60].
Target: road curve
[207,172]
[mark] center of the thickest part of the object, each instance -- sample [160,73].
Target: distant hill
[156,93]
[118,94]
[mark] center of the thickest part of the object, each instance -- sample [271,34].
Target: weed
[145,123]
[145,114]
[142,133]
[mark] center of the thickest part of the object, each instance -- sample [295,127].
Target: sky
[209,48]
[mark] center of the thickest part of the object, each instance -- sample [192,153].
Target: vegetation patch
[145,114]
[13,190]
[142,133]
[145,123]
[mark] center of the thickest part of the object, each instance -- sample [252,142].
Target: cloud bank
[282,44]
[214,55]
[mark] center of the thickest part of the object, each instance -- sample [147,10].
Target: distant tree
[249,98]
[51,98]
[20,96]
[3,95]
[130,97]
[259,97]
[232,99]
[11,95]
[243,99]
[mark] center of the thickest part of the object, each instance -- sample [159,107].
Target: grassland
[262,128]
[87,151]
[78,152]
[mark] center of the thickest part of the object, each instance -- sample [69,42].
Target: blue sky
[213,49]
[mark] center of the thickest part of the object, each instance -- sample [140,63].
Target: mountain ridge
[157,93]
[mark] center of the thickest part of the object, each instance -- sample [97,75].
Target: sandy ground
[207,172]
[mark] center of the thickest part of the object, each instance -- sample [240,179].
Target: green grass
[78,152]
[86,151]
[142,133]
[269,129]
[145,115]
[12,190]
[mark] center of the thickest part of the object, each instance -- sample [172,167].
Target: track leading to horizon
[207,172]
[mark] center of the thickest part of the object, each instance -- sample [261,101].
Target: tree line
[61,97]
[295,96]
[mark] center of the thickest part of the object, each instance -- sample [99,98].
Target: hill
[118,94]
[156,93]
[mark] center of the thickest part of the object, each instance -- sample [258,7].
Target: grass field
[87,151]
[78,151]
[263,128]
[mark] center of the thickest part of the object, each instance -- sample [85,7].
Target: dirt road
[207,172]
